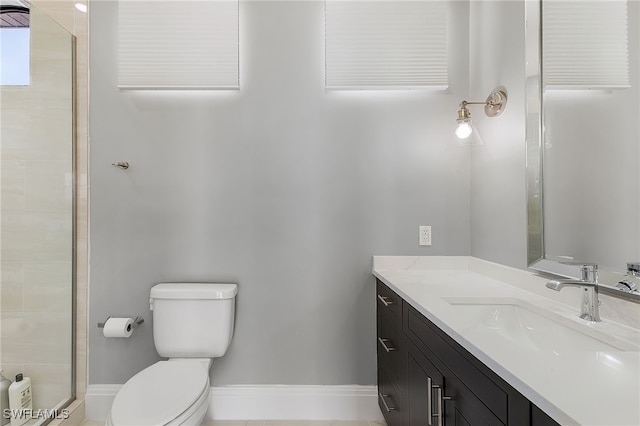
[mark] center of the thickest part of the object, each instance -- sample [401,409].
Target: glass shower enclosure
[37,207]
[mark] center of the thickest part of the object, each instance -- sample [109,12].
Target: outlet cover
[424,235]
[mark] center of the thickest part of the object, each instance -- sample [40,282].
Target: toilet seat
[160,393]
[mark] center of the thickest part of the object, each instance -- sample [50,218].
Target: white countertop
[573,387]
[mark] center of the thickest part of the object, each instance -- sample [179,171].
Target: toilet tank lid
[193,291]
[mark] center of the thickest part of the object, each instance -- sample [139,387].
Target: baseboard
[267,402]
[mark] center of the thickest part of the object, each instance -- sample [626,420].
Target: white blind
[186,44]
[386,44]
[585,44]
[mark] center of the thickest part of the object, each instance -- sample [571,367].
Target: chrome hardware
[383,342]
[385,300]
[589,302]
[627,285]
[429,401]
[136,322]
[440,398]
[386,406]
[124,165]
[630,285]
[633,268]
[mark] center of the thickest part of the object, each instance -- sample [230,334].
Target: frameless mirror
[583,137]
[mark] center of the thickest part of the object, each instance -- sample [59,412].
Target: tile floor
[271,423]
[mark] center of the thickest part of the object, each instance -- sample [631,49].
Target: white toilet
[192,324]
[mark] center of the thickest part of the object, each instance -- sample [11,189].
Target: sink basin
[529,326]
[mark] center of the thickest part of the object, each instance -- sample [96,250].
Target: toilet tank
[193,320]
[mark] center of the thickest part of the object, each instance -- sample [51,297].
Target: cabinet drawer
[388,346]
[425,333]
[389,399]
[389,303]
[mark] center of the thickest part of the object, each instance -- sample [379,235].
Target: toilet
[192,324]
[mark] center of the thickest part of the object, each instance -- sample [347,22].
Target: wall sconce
[493,107]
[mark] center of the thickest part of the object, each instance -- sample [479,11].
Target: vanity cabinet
[389,325]
[426,378]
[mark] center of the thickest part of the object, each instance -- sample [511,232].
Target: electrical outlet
[424,235]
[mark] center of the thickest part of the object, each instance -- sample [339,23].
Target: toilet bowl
[176,392]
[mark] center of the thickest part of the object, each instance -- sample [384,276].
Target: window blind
[187,44]
[385,44]
[585,44]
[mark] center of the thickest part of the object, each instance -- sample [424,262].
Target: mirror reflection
[583,134]
[592,134]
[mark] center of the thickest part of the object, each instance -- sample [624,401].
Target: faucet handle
[633,268]
[589,272]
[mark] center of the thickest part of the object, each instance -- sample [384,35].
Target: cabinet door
[464,408]
[423,381]
[436,397]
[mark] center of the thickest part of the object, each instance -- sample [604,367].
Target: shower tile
[49,41]
[47,287]
[30,132]
[11,287]
[36,95]
[36,353]
[48,186]
[52,80]
[50,383]
[12,183]
[36,236]
[46,329]
[81,367]
[82,212]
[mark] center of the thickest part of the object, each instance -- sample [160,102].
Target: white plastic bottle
[4,399]
[20,400]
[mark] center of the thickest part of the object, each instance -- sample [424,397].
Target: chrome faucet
[629,284]
[589,294]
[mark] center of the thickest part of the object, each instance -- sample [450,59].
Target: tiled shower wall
[36,290]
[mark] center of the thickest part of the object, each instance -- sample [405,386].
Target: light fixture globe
[463,127]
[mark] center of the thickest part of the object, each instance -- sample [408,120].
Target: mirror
[583,141]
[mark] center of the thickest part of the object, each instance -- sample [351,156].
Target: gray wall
[282,187]
[498,193]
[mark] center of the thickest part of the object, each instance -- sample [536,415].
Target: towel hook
[124,165]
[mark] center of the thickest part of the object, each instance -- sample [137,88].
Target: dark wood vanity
[426,378]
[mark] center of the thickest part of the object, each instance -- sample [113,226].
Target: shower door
[37,207]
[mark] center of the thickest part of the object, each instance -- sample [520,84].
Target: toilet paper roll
[118,327]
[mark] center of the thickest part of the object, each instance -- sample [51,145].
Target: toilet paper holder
[136,322]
